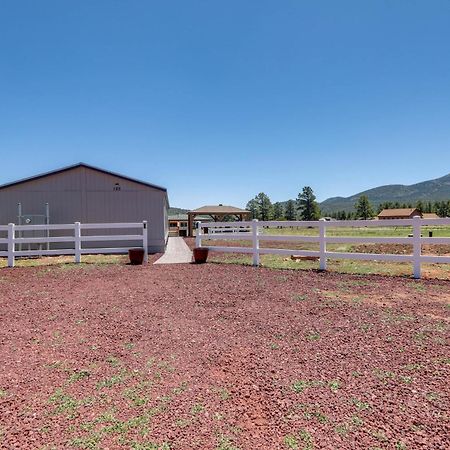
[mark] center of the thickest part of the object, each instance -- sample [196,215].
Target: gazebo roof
[218,209]
[178,217]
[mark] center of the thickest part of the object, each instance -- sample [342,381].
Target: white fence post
[255,241]
[77,242]
[322,245]
[198,237]
[145,240]
[417,246]
[11,244]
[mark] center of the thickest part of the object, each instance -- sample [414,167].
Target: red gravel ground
[221,357]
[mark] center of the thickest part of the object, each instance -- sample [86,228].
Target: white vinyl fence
[230,229]
[74,241]
[416,258]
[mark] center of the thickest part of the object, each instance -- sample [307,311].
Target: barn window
[116,187]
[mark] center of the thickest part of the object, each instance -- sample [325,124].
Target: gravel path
[221,357]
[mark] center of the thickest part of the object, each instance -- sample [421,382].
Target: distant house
[178,225]
[430,216]
[399,213]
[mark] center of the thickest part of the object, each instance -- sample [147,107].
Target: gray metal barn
[87,194]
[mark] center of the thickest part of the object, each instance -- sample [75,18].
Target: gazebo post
[190,225]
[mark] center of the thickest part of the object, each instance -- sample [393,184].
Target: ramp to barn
[177,252]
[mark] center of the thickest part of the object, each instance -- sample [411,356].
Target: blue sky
[219,100]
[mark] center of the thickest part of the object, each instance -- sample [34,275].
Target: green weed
[291,442]
[197,408]
[110,382]
[360,405]
[300,386]
[225,443]
[88,442]
[313,336]
[334,385]
[305,436]
[180,389]
[113,361]
[341,429]
[79,375]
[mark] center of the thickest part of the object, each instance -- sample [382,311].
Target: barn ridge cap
[81,164]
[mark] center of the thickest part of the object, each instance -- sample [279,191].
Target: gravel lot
[221,357]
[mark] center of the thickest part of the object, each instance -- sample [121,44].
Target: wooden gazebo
[217,214]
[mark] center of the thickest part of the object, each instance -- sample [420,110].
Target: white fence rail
[230,229]
[76,239]
[416,240]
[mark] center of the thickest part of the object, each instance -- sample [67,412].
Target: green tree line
[441,208]
[305,207]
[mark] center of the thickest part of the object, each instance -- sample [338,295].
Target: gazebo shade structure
[217,214]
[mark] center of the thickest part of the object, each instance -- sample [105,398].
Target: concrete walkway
[176,252]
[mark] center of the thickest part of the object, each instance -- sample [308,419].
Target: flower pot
[136,255]
[200,255]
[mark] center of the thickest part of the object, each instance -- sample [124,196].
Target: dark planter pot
[200,255]
[136,256]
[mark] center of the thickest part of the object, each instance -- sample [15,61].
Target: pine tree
[307,205]
[436,208]
[278,211]
[264,205]
[253,207]
[290,212]
[363,208]
[443,208]
[419,206]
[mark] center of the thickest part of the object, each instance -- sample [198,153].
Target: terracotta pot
[200,255]
[136,255]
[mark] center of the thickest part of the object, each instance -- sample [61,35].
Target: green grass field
[67,262]
[441,231]
[439,271]
[343,266]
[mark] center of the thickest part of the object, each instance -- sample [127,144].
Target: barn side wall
[89,196]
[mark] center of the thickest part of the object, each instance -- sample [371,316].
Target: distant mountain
[173,211]
[432,190]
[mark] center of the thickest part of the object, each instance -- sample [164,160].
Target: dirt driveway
[221,357]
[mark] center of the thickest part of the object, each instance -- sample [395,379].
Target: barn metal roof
[81,164]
